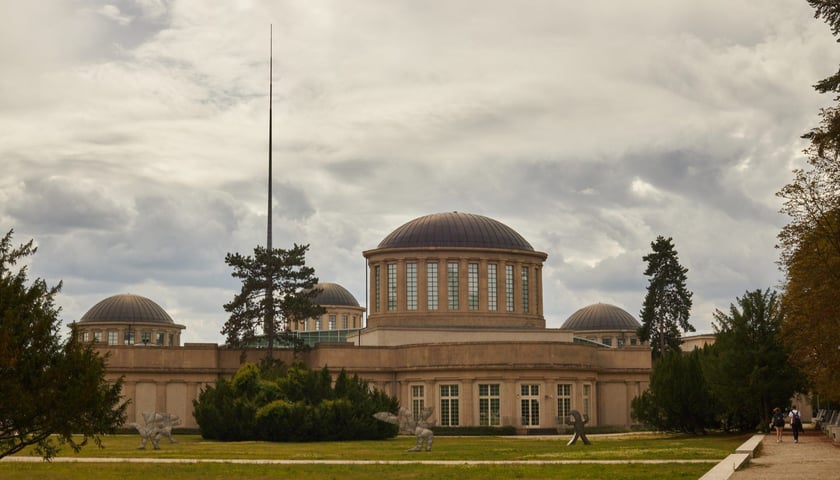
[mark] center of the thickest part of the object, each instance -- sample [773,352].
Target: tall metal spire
[269,327]
[270,95]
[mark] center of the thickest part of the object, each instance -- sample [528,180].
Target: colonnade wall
[548,376]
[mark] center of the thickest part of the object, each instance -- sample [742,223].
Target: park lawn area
[619,447]
[223,471]
[609,447]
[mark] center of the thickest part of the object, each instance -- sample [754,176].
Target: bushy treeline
[276,403]
[731,385]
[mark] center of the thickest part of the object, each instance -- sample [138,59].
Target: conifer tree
[667,305]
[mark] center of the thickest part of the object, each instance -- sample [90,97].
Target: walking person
[795,423]
[778,423]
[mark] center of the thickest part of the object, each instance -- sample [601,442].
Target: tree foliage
[254,313]
[678,398]
[747,368]
[298,405]
[667,304]
[810,243]
[54,392]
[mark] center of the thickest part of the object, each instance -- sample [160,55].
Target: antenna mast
[270,95]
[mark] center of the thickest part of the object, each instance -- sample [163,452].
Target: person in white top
[795,423]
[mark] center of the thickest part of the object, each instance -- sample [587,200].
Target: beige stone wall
[169,379]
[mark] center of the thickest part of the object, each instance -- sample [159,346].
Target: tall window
[344,321]
[113,337]
[161,337]
[332,322]
[492,303]
[128,338]
[472,286]
[146,337]
[509,288]
[418,400]
[432,286]
[489,404]
[376,288]
[564,402]
[97,336]
[392,286]
[452,282]
[318,322]
[411,286]
[171,339]
[449,405]
[587,393]
[529,397]
[525,299]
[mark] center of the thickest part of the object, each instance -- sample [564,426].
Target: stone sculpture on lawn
[156,425]
[421,428]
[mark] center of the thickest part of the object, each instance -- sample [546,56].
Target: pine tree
[667,305]
[277,290]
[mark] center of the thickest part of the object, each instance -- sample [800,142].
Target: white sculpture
[157,424]
[409,426]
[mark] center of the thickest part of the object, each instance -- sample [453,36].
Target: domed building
[343,315]
[605,324]
[128,319]
[455,322]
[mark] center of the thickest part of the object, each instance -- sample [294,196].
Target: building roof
[334,294]
[127,308]
[601,316]
[455,229]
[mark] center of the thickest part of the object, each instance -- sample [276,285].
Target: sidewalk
[815,456]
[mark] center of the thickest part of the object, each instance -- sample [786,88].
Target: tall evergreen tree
[748,369]
[667,304]
[50,389]
[278,289]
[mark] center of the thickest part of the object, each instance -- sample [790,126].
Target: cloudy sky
[133,138]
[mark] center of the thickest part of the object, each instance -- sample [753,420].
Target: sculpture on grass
[409,426]
[578,423]
[156,425]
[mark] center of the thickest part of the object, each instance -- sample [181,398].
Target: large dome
[334,294]
[127,308]
[601,316]
[455,229]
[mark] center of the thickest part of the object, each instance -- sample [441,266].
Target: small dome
[127,308]
[601,316]
[455,229]
[335,295]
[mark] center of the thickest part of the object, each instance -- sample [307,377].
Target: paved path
[22,459]
[815,456]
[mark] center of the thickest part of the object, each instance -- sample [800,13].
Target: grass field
[626,447]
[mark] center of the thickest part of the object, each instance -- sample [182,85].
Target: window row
[317,323]
[129,337]
[489,404]
[453,287]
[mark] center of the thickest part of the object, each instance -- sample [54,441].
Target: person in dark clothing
[795,423]
[778,423]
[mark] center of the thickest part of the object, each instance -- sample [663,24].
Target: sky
[134,138]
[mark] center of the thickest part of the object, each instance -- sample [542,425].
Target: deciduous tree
[52,391]
[277,290]
[810,243]
[747,368]
[667,304]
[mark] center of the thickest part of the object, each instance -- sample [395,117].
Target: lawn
[627,447]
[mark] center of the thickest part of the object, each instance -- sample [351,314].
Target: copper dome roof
[334,294]
[455,229]
[601,316]
[127,308]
